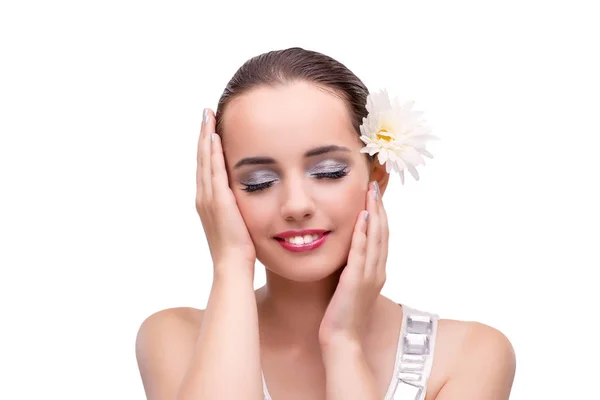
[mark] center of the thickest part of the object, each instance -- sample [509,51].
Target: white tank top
[414,356]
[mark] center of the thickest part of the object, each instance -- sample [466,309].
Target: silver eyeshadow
[260,176]
[324,167]
[328,166]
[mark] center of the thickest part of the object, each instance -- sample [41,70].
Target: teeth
[300,240]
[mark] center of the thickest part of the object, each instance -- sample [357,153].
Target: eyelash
[323,175]
[260,186]
[332,175]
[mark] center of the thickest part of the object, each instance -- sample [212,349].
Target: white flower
[393,132]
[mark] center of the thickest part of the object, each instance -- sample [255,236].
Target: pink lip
[304,247]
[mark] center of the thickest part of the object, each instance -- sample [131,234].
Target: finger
[373,234]
[220,182]
[205,145]
[358,247]
[385,236]
[199,162]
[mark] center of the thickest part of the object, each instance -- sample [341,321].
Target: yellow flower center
[383,134]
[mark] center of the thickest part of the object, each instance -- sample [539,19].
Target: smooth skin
[314,338]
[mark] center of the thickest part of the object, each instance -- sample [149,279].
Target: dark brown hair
[280,67]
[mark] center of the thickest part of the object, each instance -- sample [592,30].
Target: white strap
[414,357]
[265,390]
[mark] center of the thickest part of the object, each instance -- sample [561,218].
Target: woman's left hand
[363,277]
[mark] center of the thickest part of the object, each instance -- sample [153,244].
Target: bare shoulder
[472,360]
[164,346]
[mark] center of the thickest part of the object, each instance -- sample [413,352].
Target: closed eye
[331,175]
[258,186]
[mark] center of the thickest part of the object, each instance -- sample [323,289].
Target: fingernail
[205,115]
[366,215]
[212,137]
[376,186]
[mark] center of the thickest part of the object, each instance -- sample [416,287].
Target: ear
[379,174]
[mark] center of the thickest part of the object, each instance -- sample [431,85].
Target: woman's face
[293,162]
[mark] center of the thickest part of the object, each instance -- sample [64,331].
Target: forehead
[285,121]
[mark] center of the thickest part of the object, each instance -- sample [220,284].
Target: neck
[290,312]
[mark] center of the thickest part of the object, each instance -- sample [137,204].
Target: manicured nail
[376,186]
[366,215]
[205,115]
[212,137]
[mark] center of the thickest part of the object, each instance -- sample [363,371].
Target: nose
[298,203]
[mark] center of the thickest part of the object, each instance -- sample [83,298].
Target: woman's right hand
[230,244]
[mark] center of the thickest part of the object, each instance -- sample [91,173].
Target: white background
[100,108]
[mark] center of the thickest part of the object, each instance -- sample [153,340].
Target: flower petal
[383,156]
[412,156]
[413,172]
[426,153]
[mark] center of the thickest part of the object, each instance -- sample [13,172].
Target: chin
[300,267]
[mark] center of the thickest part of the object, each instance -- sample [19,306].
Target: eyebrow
[310,153]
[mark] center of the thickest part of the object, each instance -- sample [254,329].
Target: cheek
[256,213]
[347,201]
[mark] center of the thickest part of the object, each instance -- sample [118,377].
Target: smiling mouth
[303,243]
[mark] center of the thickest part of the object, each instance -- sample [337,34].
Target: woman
[283,177]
